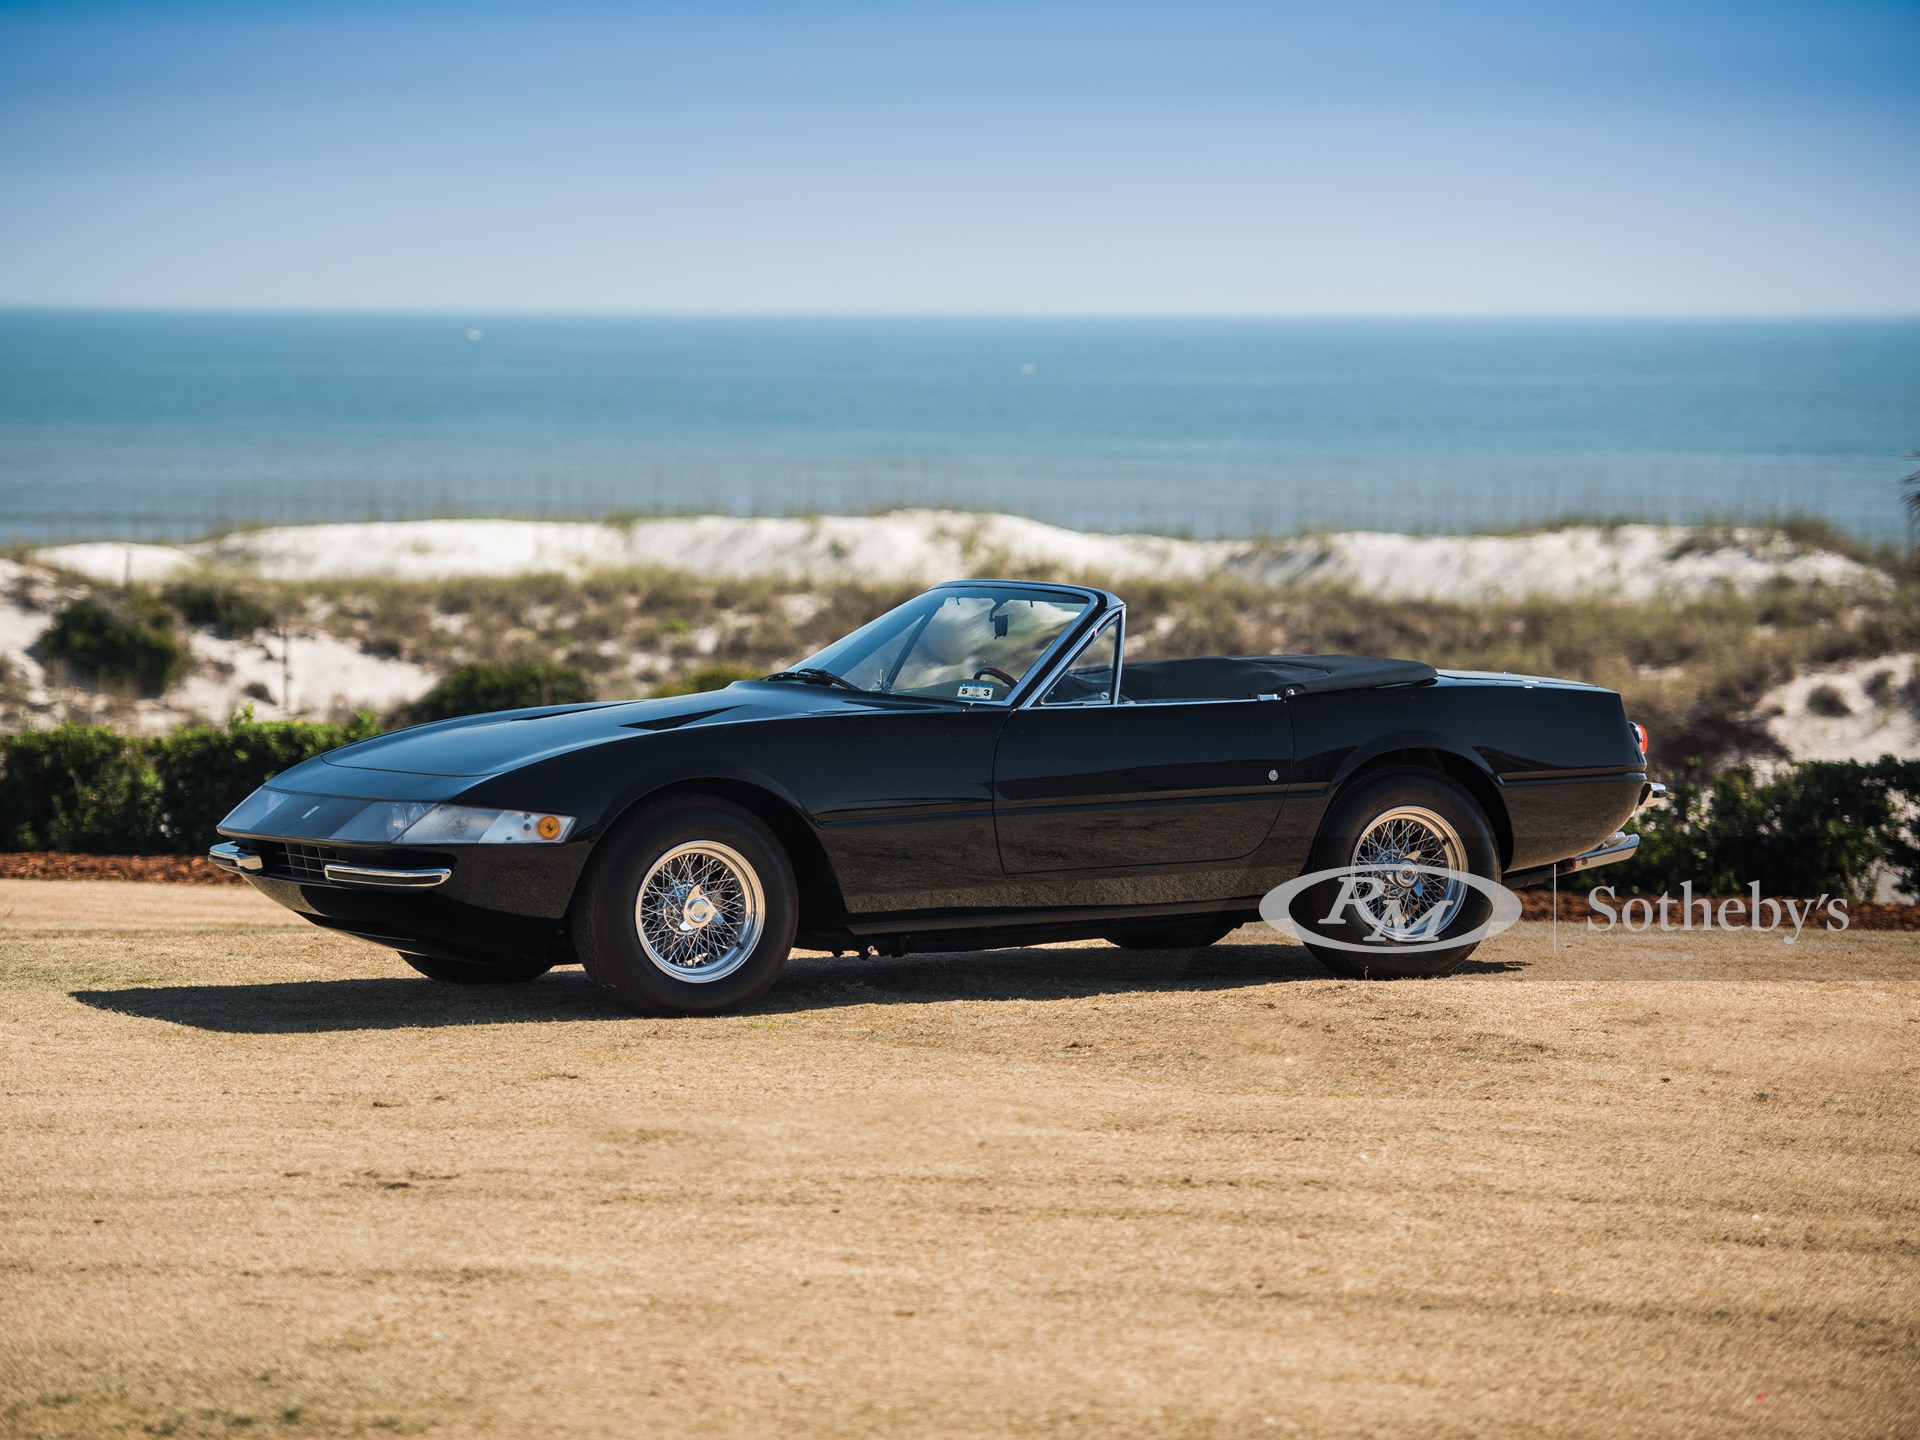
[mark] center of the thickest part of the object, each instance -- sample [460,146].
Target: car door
[903,800]
[1082,781]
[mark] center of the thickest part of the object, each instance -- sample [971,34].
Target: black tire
[1352,814]
[474,972]
[1173,937]
[606,933]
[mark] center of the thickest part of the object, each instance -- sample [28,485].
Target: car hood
[480,745]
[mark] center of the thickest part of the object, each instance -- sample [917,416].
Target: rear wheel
[474,972]
[688,909]
[1173,937]
[1398,828]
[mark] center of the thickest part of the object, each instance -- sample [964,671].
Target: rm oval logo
[1365,895]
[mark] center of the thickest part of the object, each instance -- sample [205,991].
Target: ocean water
[175,425]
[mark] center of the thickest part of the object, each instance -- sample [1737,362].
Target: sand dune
[305,674]
[1631,561]
[1858,710]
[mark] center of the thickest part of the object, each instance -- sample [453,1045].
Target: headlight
[467,825]
[392,822]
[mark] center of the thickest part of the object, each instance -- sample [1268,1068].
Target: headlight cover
[392,822]
[470,825]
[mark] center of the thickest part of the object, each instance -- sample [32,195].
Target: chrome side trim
[1205,700]
[231,858]
[387,879]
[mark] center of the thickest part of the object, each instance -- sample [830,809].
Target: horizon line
[1095,316]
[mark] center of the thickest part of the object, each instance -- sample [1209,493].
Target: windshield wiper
[814,675]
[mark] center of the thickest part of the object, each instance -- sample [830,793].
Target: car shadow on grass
[810,982]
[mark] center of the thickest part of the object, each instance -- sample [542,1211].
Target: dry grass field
[260,1181]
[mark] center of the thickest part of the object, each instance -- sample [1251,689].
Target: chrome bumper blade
[230,857]
[385,879]
[1620,847]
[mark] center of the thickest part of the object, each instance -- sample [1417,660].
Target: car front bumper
[466,902]
[231,855]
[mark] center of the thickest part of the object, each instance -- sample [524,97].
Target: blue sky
[1198,158]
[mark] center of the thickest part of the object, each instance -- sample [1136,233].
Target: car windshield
[961,642]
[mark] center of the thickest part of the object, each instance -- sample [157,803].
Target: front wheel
[1409,832]
[474,972]
[689,908]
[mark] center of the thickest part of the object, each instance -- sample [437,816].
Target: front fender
[605,782]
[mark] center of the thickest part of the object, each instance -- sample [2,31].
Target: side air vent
[674,722]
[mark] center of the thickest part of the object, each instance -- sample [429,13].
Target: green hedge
[1817,828]
[89,789]
[78,787]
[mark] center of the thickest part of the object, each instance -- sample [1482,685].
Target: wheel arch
[1467,771]
[818,886]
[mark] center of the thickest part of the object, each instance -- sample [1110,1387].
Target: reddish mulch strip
[1861,915]
[169,869]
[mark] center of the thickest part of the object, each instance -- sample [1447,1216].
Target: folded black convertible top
[1240,677]
[1308,673]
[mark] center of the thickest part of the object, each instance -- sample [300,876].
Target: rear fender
[1431,750]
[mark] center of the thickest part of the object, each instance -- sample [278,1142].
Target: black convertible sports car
[979,767]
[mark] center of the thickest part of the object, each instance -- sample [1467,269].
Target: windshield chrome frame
[1045,670]
[1101,606]
[1106,605]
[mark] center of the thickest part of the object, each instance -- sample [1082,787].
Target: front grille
[289,861]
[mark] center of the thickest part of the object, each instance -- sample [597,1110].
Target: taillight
[1639,736]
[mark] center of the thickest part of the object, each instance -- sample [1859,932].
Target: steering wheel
[994,672]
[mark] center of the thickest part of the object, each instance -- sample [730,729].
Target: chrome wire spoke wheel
[1401,849]
[700,911]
